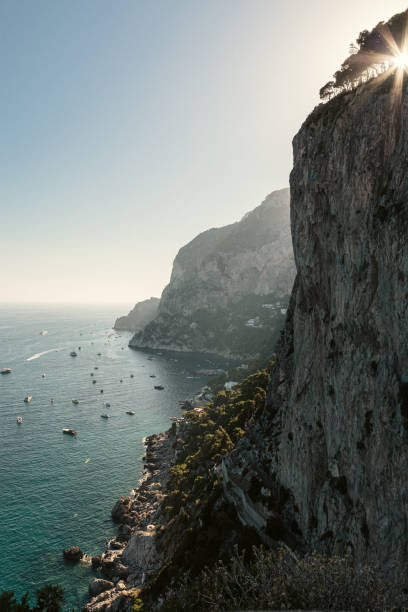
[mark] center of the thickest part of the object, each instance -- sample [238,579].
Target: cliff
[326,464]
[143,313]
[228,286]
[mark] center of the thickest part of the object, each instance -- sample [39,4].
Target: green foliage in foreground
[276,580]
[48,599]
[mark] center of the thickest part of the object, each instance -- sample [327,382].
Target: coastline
[131,556]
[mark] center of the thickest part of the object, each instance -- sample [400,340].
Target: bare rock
[99,585]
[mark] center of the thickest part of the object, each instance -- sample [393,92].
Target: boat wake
[37,355]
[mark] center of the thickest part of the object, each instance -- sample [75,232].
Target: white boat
[43,332]
[75,400]
[106,416]
[43,375]
[130,412]
[28,399]
[70,432]
[19,420]
[6,370]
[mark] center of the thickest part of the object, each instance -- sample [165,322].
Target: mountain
[229,287]
[326,464]
[139,316]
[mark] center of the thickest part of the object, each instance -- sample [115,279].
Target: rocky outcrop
[73,553]
[141,315]
[229,286]
[326,465]
[132,556]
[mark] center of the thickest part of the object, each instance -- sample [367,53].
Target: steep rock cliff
[139,316]
[228,285]
[326,465]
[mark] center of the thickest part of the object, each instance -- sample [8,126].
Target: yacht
[6,370]
[70,432]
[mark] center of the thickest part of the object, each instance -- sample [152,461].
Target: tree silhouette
[372,55]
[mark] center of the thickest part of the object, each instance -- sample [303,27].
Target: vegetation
[276,580]
[48,599]
[373,54]
[201,527]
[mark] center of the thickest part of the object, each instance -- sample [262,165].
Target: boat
[70,432]
[28,399]
[132,376]
[73,354]
[75,400]
[159,387]
[152,375]
[6,370]
[43,375]
[130,412]
[121,380]
[106,416]
[99,354]
[107,405]
[101,390]
[94,382]
[19,420]
[43,332]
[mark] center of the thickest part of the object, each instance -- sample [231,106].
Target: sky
[127,127]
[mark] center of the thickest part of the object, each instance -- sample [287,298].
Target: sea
[56,490]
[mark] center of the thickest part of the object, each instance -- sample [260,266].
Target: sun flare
[401,60]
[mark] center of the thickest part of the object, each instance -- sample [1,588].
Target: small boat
[52,401]
[75,400]
[99,354]
[6,370]
[70,432]
[96,368]
[130,412]
[132,376]
[87,460]
[79,348]
[28,399]
[43,332]
[101,390]
[94,382]
[152,375]
[107,405]
[159,387]
[91,374]
[43,375]
[19,420]
[121,380]
[73,354]
[106,416]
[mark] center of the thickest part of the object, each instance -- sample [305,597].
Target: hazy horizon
[128,128]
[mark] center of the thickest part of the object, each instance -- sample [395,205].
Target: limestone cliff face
[327,464]
[139,316]
[222,279]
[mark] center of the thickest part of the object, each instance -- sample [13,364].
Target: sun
[401,60]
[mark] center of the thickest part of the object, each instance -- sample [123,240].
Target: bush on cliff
[276,580]
[201,526]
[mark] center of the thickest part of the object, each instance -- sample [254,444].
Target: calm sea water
[49,497]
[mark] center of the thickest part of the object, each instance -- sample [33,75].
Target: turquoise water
[44,480]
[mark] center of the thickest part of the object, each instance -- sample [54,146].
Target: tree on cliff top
[382,50]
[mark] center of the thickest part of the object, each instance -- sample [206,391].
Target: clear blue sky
[127,127]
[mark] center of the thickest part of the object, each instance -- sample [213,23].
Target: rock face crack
[334,431]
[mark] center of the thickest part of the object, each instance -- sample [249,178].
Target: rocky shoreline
[131,556]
